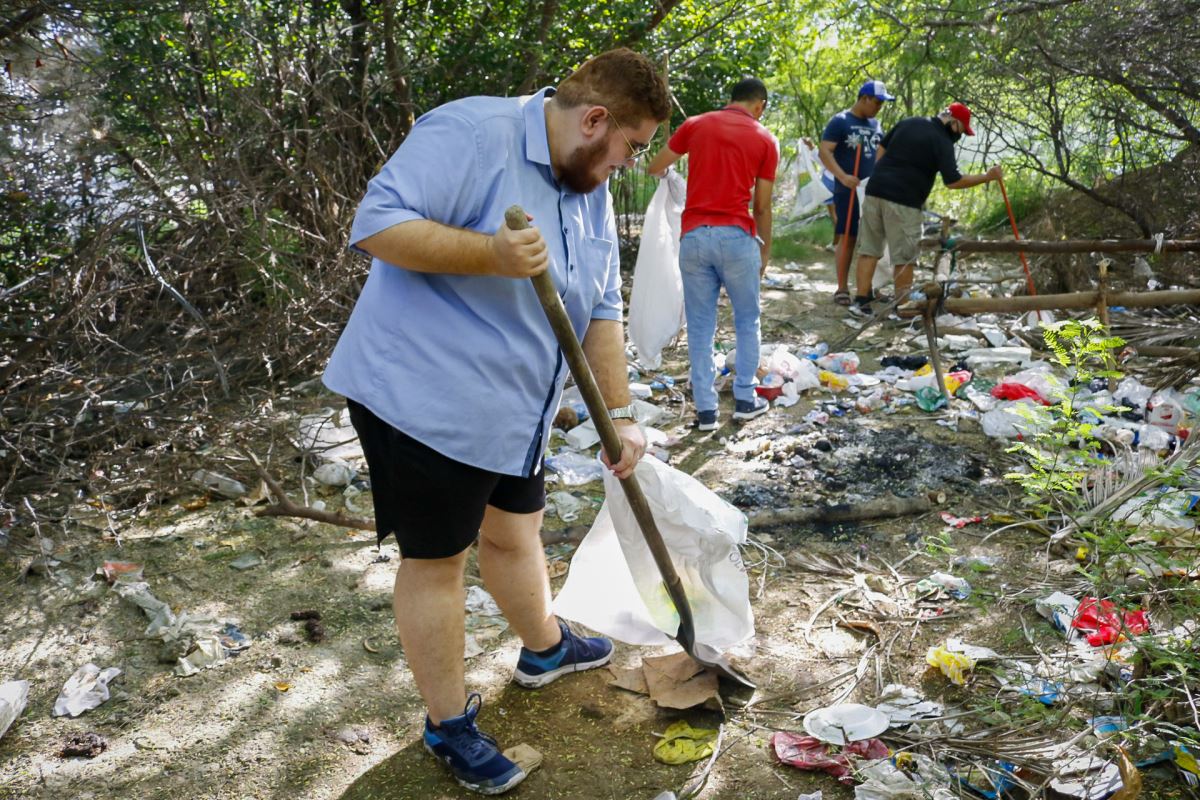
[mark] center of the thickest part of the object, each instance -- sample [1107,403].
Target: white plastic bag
[810,195]
[13,695]
[656,300]
[614,586]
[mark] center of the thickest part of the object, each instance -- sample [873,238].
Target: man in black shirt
[908,159]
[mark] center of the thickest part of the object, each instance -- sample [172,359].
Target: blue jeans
[709,258]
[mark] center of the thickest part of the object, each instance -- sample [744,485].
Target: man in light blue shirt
[453,374]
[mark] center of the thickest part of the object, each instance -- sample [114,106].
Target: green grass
[805,242]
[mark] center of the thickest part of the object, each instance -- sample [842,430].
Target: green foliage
[1062,447]
[803,242]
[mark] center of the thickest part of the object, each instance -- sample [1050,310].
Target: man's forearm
[604,348]
[967,181]
[426,246]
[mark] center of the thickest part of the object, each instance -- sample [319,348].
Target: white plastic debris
[206,654]
[990,356]
[903,705]
[1060,609]
[86,689]
[480,602]
[335,473]
[329,434]
[220,484]
[849,722]
[1086,777]
[13,696]
[564,505]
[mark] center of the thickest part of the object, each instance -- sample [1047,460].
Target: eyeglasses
[634,152]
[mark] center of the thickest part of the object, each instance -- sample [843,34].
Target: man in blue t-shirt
[848,151]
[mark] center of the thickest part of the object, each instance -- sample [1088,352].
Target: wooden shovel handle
[573,353]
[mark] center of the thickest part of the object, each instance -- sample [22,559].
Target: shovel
[703,654]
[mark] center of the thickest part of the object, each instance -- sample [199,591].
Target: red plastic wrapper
[1017,391]
[810,753]
[1103,623]
[958,522]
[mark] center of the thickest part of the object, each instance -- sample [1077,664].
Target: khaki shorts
[891,224]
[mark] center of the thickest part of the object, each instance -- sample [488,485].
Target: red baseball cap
[963,115]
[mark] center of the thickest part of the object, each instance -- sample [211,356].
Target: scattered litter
[671,681]
[246,561]
[205,653]
[85,690]
[564,505]
[335,473]
[810,753]
[13,696]
[524,756]
[219,484]
[1103,624]
[1087,777]
[958,522]
[957,587]
[479,601]
[83,745]
[121,570]
[1060,609]
[851,722]
[903,704]
[682,744]
[575,469]
[954,666]
[233,640]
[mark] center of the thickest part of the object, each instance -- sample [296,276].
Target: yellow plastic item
[952,384]
[954,666]
[925,370]
[681,744]
[1081,554]
[833,380]
[1186,760]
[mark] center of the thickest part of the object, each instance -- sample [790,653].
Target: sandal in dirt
[841,298]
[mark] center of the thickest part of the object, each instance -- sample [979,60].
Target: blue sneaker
[749,409]
[574,654]
[706,420]
[472,756]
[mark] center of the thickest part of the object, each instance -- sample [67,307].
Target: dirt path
[339,718]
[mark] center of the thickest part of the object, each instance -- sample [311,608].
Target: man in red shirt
[726,238]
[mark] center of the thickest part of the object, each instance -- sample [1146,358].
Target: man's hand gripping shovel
[557,315]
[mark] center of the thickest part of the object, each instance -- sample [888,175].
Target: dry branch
[286,508]
[879,508]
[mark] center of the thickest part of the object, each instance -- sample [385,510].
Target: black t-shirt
[915,151]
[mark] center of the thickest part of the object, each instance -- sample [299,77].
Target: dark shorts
[841,203]
[433,504]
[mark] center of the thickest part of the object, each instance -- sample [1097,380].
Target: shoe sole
[527,681]
[474,787]
[706,426]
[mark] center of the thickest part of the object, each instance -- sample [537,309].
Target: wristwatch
[623,412]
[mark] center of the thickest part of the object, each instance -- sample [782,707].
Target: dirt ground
[340,718]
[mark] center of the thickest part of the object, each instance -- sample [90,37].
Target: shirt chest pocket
[595,256]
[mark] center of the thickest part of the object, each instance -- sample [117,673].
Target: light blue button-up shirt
[468,365]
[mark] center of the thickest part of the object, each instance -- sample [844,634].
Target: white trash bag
[812,194]
[614,586]
[656,300]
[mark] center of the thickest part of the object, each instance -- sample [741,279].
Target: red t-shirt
[727,151]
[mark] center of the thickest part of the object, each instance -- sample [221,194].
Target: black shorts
[433,504]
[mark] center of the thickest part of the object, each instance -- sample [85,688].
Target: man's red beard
[579,173]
